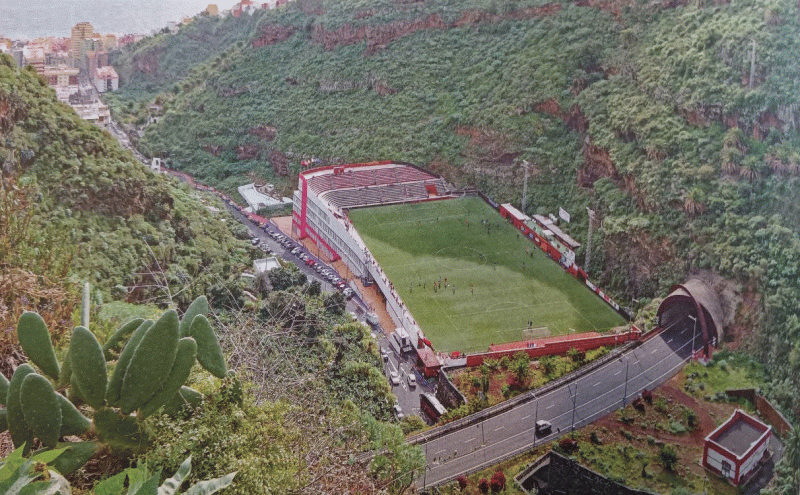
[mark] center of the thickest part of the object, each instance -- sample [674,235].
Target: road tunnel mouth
[699,305]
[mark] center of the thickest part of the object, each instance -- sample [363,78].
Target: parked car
[310,262]
[384,354]
[394,378]
[295,250]
[254,241]
[348,292]
[412,380]
[398,411]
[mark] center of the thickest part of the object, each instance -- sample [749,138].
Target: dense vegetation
[76,204]
[75,207]
[677,123]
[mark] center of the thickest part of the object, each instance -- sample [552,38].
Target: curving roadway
[568,407]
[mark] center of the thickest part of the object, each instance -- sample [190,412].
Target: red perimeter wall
[538,348]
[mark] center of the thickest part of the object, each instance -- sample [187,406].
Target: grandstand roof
[374,183]
[552,227]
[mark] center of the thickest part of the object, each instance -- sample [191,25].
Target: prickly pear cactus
[35,341]
[115,383]
[20,431]
[184,360]
[151,363]
[119,336]
[41,409]
[209,355]
[88,366]
[198,307]
[72,421]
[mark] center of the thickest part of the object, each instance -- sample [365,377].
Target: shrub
[483,485]
[691,418]
[498,482]
[676,428]
[668,456]
[411,423]
[462,482]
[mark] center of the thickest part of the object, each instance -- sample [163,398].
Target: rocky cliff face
[378,36]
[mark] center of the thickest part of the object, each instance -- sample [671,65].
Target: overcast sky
[27,19]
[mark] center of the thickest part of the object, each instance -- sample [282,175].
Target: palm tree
[776,164]
[733,138]
[749,169]
[693,202]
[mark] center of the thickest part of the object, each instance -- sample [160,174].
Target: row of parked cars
[327,273]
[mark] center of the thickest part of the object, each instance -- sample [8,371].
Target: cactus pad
[115,383]
[72,421]
[17,426]
[35,341]
[88,366]
[208,352]
[3,389]
[198,307]
[41,409]
[151,363]
[184,360]
[121,334]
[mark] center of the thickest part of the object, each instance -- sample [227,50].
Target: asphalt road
[569,407]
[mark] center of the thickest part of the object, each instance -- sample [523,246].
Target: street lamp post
[574,405]
[535,421]
[625,392]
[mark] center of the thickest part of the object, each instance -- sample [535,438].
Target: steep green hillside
[308,396]
[77,206]
[677,123]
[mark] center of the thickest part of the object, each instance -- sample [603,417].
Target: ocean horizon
[21,19]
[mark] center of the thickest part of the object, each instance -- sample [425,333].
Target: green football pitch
[470,279]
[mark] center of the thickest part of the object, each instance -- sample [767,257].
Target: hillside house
[735,449]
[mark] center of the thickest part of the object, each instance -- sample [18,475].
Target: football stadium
[457,271]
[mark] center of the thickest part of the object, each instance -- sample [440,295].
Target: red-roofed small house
[735,448]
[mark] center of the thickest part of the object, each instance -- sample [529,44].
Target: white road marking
[654,350]
[598,383]
[499,428]
[551,405]
[526,417]
[618,372]
[471,440]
